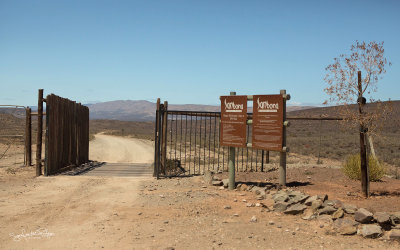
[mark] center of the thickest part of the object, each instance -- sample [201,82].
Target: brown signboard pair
[233,121]
[267,132]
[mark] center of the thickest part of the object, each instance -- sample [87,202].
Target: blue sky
[185,51]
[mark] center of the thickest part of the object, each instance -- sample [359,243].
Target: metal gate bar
[193,145]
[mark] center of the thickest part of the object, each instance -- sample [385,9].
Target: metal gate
[187,143]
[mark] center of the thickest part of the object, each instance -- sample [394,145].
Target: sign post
[269,127]
[282,162]
[233,128]
[267,122]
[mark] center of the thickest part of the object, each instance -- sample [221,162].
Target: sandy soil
[305,175]
[65,212]
[115,149]
[88,212]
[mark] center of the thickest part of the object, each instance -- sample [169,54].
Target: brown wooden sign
[233,121]
[267,122]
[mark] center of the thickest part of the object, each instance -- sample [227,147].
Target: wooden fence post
[282,164]
[363,150]
[156,142]
[46,140]
[28,137]
[164,139]
[39,134]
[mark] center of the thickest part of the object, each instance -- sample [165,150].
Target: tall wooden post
[363,148]
[156,141]
[231,163]
[46,142]
[28,137]
[164,139]
[39,134]
[282,164]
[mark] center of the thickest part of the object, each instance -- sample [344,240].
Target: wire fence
[12,135]
[192,144]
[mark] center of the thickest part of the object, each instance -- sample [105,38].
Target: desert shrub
[352,168]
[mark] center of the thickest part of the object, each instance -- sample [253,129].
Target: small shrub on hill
[352,168]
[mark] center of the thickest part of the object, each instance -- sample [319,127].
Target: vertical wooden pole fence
[156,140]
[39,134]
[164,140]
[28,139]
[67,134]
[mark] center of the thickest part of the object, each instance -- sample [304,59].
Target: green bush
[352,168]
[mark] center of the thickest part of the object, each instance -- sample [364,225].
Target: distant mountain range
[130,110]
[145,111]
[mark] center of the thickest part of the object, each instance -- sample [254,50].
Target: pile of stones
[345,219]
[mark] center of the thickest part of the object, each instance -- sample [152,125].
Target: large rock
[337,204]
[370,231]
[349,209]
[347,230]
[382,217]
[310,200]
[338,214]
[363,216]
[281,206]
[299,198]
[327,210]
[295,209]
[341,222]
[383,220]
[316,204]
[309,214]
[345,226]
[294,193]
[281,197]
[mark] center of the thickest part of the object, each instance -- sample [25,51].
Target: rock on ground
[363,216]
[295,209]
[370,231]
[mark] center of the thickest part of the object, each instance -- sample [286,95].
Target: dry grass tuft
[352,168]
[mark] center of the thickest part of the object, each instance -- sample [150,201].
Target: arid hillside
[130,110]
[328,139]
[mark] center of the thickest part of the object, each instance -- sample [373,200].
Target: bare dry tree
[343,86]
[347,86]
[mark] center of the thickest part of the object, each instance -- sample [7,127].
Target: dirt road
[96,212]
[116,149]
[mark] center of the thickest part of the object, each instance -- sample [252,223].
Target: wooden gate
[67,134]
